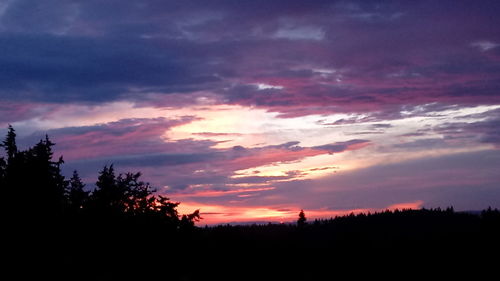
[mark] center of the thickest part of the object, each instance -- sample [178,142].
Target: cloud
[467,181]
[484,46]
[65,69]
[143,50]
[123,137]
[12,111]
[50,16]
[381,126]
[300,33]
[482,131]
[343,146]
[184,164]
[349,64]
[427,143]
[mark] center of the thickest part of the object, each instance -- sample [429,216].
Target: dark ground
[402,244]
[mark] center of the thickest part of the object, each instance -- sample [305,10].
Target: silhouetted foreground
[53,227]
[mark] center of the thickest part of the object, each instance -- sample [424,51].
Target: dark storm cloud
[48,68]
[328,56]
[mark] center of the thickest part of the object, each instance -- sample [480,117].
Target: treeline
[33,189]
[397,244]
[390,228]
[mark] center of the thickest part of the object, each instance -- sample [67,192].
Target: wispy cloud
[485,45]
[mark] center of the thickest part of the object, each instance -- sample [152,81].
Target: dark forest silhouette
[39,190]
[55,227]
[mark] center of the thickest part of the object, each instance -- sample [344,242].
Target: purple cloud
[468,181]
[363,61]
[485,131]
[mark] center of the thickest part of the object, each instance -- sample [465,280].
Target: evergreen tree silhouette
[10,172]
[187,221]
[3,168]
[108,199]
[33,178]
[10,169]
[137,194]
[45,182]
[77,196]
[10,143]
[166,212]
[302,219]
[127,196]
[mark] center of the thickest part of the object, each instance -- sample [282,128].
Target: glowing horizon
[214,214]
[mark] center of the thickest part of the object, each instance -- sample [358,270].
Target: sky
[254,110]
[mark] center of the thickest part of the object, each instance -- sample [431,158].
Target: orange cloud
[407,205]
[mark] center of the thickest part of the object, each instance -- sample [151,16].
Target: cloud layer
[242,101]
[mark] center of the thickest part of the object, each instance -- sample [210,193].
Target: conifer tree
[10,143]
[302,219]
[108,198]
[45,186]
[77,196]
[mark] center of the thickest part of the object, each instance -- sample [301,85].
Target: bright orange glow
[217,214]
[220,214]
[408,205]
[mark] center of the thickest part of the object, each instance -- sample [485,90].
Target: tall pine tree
[302,219]
[77,196]
[9,143]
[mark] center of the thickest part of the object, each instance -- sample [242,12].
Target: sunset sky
[253,110]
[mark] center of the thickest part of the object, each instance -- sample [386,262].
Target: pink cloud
[138,144]
[12,111]
[127,136]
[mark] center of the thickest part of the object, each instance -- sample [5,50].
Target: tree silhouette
[3,167]
[33,178]
[187,221]
[46,183]
[10,143]
[109,198]
[77,196]
[128,197]
[137,194]
[302,219]
[10,172]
